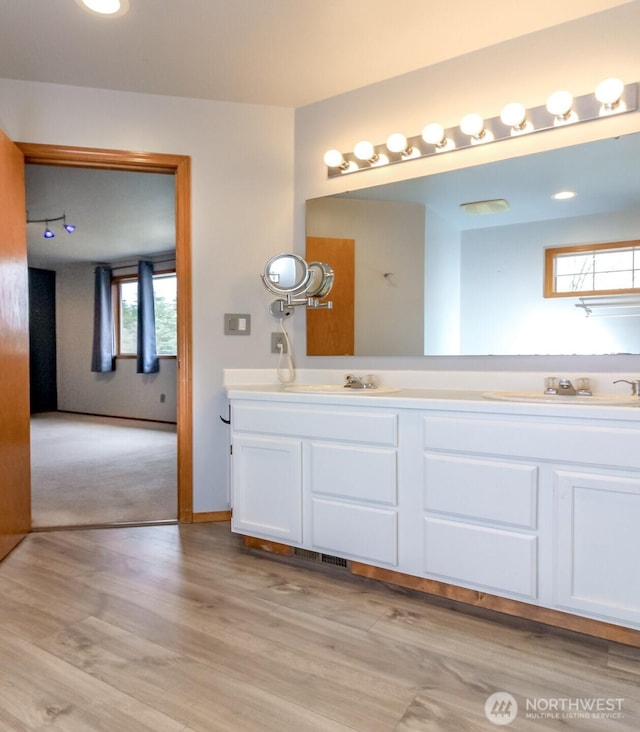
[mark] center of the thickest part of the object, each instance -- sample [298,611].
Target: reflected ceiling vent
[482,208]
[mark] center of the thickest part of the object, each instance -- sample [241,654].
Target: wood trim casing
[266,545]
[550,254]
[556,618]
[15,493]
[180,167]
[211,516]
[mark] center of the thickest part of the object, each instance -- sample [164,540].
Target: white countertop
[433,398]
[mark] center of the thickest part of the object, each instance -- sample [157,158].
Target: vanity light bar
[560,110]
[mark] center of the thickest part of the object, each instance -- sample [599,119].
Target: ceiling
[275,52]
[115,213]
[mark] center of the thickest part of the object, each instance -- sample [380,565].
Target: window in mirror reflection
[593,269]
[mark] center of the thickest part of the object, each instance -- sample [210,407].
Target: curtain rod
[129,266]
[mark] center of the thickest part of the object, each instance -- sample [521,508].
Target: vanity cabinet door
[267,487]
[598,543]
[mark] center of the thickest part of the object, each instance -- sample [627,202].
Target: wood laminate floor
[178,628]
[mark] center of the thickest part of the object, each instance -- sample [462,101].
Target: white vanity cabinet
[543,510]
[319,477]
[533,505]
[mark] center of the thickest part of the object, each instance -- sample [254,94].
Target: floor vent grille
[319,557]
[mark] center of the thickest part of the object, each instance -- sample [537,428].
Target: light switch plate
[237,324]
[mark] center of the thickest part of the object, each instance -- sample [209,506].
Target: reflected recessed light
[111,8]
[564,195]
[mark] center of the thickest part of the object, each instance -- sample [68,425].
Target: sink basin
[338,389]
[602,400]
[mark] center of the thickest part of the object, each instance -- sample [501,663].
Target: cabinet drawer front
[489,490]
[355,531]
[324,423]
[358,473]
[491,558]
[555,440]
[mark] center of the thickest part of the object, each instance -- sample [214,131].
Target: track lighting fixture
[48,233]
[611,96]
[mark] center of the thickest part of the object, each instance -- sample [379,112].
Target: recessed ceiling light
[564,195]
[112,8]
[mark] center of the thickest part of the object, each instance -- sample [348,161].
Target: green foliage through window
[165,300]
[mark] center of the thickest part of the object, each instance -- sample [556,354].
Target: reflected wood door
[331,332]
[15,470]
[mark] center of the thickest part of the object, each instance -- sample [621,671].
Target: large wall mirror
[433,279]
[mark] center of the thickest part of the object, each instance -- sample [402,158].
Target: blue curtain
[102,355]
[147,358]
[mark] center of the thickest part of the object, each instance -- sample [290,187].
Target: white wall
[575,55]
[242,192]
[121,393]
[389,238]
[242,180]
[442,286]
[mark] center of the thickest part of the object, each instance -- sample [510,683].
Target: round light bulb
[333,159]
[433,133]
[560,103]
[472,125]
[364,150]
[513,115]
[397,142]
[609,93]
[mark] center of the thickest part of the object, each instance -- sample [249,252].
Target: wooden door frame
[180,167]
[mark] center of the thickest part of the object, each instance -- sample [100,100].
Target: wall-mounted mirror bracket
[298,283]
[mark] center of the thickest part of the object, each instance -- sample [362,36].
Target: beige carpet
[98,470]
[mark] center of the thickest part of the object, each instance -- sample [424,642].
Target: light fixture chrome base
[585,108]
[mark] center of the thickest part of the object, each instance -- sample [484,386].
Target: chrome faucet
[635,385]
[356,382]
[566,387]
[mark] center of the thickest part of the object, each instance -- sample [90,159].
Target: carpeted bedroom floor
[89,470]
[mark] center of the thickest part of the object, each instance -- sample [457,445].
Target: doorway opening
[179,168]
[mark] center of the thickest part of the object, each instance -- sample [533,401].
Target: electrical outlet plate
[276,339]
